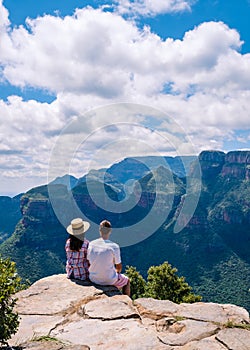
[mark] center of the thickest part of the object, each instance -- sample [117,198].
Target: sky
[84,84]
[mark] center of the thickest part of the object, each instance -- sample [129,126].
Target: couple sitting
[99,260]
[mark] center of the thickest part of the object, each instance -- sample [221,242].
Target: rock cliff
[212,251]
[57,313]
[235,164]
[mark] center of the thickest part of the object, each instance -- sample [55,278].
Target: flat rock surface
[111,308]
[200,311]
[59,314]
[236,339]
[156,309]
[51,295]
[33,326]
[203,344]
[183,332]
[109,335]
[213,312]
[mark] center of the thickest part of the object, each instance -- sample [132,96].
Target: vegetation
[36,255]
[137,282]
[10,283]
[212,251]
[162,283]
[46,338]
[231,324]
[10,214]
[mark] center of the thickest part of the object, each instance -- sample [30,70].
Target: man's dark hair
[105,223]
[105,227]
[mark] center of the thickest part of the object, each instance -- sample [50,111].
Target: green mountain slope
[10,214]
[212,251]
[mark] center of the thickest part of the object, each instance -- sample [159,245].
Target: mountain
[103,176]
[67,180]
[37,245]
[211,251]
[136,168]
[122,175]
[10,214]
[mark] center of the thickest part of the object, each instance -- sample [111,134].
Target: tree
[137,282]
[10,283]
[163,283]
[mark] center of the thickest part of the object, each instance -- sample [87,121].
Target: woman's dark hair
[75,243]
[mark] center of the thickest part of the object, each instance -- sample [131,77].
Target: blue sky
[186,63]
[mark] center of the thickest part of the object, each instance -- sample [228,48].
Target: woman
[76,250]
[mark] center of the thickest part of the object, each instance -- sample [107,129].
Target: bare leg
[126,289]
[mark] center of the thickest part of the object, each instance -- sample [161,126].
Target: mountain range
[211,250]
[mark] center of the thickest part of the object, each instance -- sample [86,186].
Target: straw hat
[78,227]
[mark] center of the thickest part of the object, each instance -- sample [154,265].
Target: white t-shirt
[102,255]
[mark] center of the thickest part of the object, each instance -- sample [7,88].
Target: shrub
[137,282]
[163,283]
[10,283]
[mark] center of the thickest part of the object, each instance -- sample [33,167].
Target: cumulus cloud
[27,130]
[95,58]
[152,8]
[4,16]
[101,54]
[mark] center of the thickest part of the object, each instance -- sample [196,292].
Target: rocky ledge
[57,313]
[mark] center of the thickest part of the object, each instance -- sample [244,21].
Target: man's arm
[117,258]
[118,267]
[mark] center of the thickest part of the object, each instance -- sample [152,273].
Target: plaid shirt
[77,263]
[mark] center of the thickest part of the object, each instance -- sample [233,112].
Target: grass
[231,324]
[46,338]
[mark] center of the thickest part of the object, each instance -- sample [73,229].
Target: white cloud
[95,58]
[151,8]
[100,54]
[4,16]
[71,54]
[27,132]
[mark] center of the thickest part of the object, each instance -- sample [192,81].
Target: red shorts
[122,281]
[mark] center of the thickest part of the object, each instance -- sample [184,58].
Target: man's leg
[126,289]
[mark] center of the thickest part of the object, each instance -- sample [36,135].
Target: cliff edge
[57,313]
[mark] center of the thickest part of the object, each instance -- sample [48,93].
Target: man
[105,261]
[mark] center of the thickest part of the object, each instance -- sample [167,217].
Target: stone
[209,343]
[164,323]
[34,326]
[59,314]
[111,308]
[183,332]
[212,312]
[53,345]
[234,338]
[109,335]
[50,296]
[156,309]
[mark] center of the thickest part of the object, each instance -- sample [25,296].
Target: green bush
[10,283]
[137,282]
[162,283]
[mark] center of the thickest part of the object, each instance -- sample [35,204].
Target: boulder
[58,313]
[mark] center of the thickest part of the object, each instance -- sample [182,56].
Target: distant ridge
[67,180]
[211,251]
